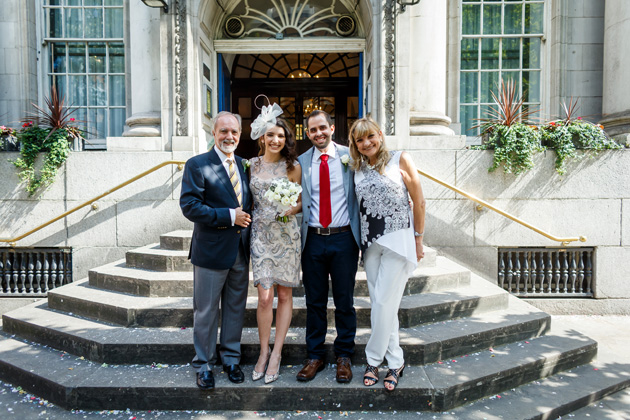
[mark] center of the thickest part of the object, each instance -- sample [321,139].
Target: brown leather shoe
[310,369]
[344,370]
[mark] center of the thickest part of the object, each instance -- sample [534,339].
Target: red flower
[27,124]
[579,118]
[71,119]
[552,123]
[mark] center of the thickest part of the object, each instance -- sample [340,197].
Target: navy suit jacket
[206,199]
[306,160]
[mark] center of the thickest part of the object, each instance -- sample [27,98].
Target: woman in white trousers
[391,239]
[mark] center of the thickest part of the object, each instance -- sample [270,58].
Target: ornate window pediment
[279,19]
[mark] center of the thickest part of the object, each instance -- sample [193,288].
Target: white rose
[285,201]
[277,196]
[345,159]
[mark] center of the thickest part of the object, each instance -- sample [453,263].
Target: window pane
[117,90]
[468,114]
[470,54]
[534,18]
[468,87]
[93,2]
[512,75]
[97,93]
[73,2]
[490,53]
[54,2]
[97,58]
[59,58]
[116,58]
[55,22]
[74,23]
[116,122]
[513,18]
[531,53]
[93,23]
[531,86]
[60,83]
[113,2]
[492,19]
[511,53]
[97,123]
[77,94]
[471,19]
[485,110]
[114,23]
[489,83]
[76,55]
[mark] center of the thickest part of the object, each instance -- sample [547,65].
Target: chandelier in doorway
[302,18]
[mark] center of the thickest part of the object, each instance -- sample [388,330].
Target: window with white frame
[501,40]
[87,61]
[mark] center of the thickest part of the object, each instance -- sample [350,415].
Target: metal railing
[482,203]
[12,241]
[180,164]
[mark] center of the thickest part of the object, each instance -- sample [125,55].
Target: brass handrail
[180,166]
[563,241]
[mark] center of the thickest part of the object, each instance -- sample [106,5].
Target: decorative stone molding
[617,123]
[429,123]
[389,73]
[181,64]
[145,124]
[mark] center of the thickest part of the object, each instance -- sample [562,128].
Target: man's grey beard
[227,149]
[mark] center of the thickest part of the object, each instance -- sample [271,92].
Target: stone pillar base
[145,124]
[429,123]
[134,144]
[616,124]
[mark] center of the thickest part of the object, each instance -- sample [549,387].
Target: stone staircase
[123,339]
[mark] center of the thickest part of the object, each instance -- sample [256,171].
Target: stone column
[427,69]
[144,73]
[616,95]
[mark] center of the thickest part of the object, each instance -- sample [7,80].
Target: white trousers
[386,277]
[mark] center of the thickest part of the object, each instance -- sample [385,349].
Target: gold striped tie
[236,183]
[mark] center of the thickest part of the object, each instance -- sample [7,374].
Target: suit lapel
[345,172]
[219,169]
[308,168]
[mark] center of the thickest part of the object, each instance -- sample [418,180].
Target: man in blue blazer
[216,197]
[330,246]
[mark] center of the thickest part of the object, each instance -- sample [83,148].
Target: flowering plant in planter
[50,130]
[506,131]
[567,135]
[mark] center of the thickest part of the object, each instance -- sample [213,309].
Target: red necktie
[325,212]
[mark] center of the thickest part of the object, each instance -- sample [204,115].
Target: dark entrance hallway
[299,83]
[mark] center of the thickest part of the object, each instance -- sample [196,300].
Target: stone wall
[131,217]
[589,200]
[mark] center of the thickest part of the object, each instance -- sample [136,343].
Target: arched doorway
[302,54]
[299,83]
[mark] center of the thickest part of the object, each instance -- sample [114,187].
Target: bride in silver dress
[275,245]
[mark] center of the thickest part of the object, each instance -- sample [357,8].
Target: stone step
[554,397]
[131,310]
[72,382]
[153,257]
[109,343]
[178,240]
[141,282]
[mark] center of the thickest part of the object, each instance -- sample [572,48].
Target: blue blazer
[306,160]
[206,199]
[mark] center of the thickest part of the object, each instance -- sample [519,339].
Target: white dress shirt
[226,165]
[339,206]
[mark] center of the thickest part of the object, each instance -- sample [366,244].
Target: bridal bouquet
[284,194]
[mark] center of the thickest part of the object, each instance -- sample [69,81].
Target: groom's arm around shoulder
[196,202]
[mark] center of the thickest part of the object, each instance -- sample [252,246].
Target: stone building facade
[149,80]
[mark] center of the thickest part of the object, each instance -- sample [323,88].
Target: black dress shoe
[234,372]
[205,379]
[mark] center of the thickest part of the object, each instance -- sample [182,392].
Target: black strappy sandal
[394,374]
[374,371]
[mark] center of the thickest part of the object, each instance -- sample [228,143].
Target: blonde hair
[362,128]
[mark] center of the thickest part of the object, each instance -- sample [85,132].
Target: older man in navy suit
[216,196]
[330,246]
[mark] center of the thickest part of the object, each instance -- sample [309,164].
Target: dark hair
[316,113]
[288,152]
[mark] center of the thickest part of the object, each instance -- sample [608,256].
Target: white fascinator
[265,120]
